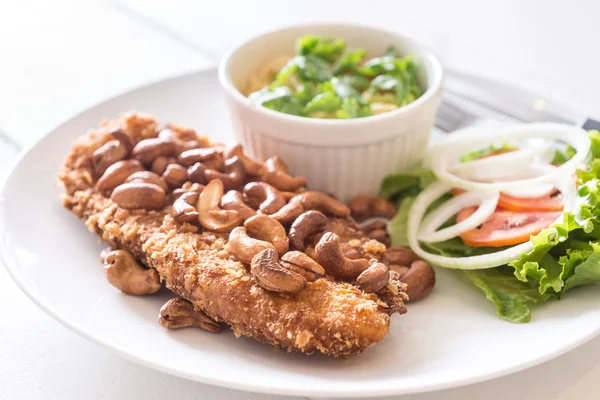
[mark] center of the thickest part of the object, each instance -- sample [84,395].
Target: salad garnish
[522,224]
[328,79]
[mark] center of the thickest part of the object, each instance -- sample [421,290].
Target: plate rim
[16,274]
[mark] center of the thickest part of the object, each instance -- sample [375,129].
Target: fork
[457,112]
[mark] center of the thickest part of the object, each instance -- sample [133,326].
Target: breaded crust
[334,318]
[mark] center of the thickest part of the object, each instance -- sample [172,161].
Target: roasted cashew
[233,176]
[374,278]
[277,175]
[147,150]
[125,273]
[107,155]
[123,137]
[420,280]
[302,264]
[253,167]
[274,277]
[188,187]
[148,177]
[160,164]
[180,313]
[116,174]
[288,213]
[233,200]
[401,256]
[192,156]
[329,254]
[265,228]
[210,215]
[243,247]
[305,225]
[136,194]
[370,206]
[263,196]
[183,208]
[196,173]
[175,175]
[322,202]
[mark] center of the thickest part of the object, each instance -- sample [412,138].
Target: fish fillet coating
[334,318]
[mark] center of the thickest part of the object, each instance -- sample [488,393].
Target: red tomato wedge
[506,227]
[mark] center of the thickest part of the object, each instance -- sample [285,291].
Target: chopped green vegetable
[561,157]
[326,79]
[325,102]
[352,108]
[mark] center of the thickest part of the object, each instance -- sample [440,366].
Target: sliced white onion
[526,155]
[532,192]
[432,193]
[445,155]
[429,232]
[506,173]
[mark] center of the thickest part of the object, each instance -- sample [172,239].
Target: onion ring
[487,202]
[443,155]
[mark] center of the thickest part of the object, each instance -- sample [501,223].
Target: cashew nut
[148,150]
[175,175]
[210,215]
[192,156]
[263,196]
[401,256]
[132,195]
[253,167]
[148,177]
[183,208]
[322,202]
[329,254]
[180,313]
[370,206]
[277,175]
[233,176]
[123,137]
[243,247]
[302,264]
[233,200]
[196,173]
[288,213]
[116,174]
[420,280]
[305,225]
[124,272]
[107,155]
[160,164]
[267,229]
[272,276]
[187,188]
[374,278]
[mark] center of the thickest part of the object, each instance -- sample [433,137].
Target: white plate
[450,339]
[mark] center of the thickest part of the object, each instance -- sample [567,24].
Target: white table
[60,57]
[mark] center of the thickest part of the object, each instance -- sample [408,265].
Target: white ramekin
[342,157]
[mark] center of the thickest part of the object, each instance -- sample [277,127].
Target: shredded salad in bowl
[328,79]
[516,210]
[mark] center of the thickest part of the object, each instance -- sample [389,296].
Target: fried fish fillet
[334,318]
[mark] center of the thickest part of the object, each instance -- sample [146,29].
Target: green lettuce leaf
[583,267]
[511,297]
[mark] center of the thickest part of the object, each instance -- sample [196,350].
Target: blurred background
[60,57]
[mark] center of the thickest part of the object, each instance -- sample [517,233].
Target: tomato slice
[551,202]
[506,227]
